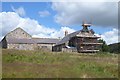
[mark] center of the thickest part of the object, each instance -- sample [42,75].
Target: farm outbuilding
[21,40]
[80,41]
[83,40]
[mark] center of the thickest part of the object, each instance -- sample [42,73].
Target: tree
[104,46]
[115,47]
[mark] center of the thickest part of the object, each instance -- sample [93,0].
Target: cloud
[73,13]
[30,25]
[36,30]
[61,33]
[56,34]
[110,36]
[44,13]
[9,20]
[19,10]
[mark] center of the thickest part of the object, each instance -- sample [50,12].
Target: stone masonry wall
[19,34]
[22,46]
[47,46]
[30,46]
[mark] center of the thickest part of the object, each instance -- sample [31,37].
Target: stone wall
[30,46]
[18,33]
[66,50]
[22,46]
[45,46]
[58,47]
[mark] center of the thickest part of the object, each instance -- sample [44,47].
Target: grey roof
[66,38]
[45,40]
[22,41]
[33,40]
[77,34]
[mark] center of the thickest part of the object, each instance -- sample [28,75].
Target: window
[43,46]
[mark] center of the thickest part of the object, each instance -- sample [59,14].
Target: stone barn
[80,41]
[21,40]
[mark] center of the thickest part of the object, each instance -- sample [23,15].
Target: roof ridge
[44,38]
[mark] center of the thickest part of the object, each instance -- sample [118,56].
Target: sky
[51,19]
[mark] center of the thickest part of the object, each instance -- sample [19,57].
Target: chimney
[66,32]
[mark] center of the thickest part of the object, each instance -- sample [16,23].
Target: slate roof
[77,34]
[45,40]
[30,40]
[19,41]
[33,40]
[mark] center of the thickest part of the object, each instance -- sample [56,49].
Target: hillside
[114,48]
[42,64]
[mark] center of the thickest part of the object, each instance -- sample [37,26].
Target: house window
[43,46]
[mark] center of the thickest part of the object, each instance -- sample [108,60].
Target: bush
[104,47]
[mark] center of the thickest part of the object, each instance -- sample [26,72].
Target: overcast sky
[51,19]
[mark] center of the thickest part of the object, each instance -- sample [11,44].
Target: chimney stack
[66,32]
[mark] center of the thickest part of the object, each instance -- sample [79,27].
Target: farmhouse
[21,40]
[80,41]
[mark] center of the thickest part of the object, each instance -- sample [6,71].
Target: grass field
[41,64]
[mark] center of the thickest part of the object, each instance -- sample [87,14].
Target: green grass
[41,64]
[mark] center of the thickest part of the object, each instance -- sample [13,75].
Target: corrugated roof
[78,34]
[33,40]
